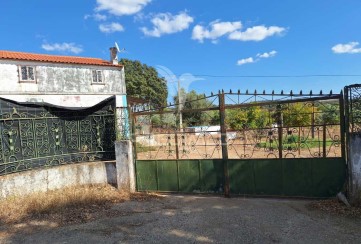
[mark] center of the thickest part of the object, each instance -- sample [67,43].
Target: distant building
[211,129]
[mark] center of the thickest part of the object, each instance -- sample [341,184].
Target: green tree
[328,114]
[142,81]
[297,114]
[165,120]
[193,100]
[247,118]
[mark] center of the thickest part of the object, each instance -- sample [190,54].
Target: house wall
[61,84]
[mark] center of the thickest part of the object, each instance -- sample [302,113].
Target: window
[97,76]
[27,73]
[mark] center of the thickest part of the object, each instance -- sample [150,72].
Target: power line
[272,76]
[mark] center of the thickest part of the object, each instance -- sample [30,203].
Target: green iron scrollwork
[34,136]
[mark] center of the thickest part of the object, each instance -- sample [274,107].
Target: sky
[207,45]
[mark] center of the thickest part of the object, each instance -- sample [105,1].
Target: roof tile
[54,58]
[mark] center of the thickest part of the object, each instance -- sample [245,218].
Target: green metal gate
[243,143]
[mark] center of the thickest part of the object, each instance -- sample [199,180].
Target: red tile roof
[54,58]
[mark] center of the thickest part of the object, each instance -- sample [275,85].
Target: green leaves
[142,81]
[193,100]
[247,118]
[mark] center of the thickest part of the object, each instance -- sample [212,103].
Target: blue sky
[258,44]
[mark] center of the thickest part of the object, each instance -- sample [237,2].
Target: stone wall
[43,180]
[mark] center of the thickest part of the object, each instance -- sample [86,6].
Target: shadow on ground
[194,219]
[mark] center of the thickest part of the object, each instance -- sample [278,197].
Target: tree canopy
[142,81]
[297,114]
[329,114]
[193,100]
[247,118]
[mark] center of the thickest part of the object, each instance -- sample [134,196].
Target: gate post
[353,141]
[280,130]
[222,115]
[123,147]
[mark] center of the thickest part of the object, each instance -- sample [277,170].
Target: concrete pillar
[123,147]
[354,160]
[125,165]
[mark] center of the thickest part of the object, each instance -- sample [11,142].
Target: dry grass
[65,206]
[335,207]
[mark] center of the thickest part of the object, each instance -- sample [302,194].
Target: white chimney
[113,55]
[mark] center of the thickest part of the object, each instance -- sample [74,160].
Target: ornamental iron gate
[34,136]
[247,143]
[353,138]
[353,108]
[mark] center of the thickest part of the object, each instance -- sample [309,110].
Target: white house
[45,120]
[60,80]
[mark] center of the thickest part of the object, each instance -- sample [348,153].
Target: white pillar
[355,168]
[123,147]
[125,165]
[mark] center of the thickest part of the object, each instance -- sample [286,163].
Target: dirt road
[194,219]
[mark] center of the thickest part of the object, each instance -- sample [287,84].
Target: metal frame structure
[275,136]
[298,126]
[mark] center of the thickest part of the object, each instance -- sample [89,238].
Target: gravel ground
[200,219]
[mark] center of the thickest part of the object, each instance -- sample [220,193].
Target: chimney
[113,55]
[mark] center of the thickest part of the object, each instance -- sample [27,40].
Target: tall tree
[193,100]
[254,117]
[297,114]
[328,114]
[143,82]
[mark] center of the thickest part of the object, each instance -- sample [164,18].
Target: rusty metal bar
[244,105]
[347,91]
[222,115]
[176,145]
[313,121]
[276,102]
[342,125]
[133,135]
[280,130]
[280,146]
[324,140]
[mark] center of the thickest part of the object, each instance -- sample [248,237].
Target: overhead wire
[276,76]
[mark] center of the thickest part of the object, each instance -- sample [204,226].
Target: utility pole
[180,108]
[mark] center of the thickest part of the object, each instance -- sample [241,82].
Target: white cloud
[256,33]
[258,57]
[246,61]
[166,23]
[121,7]
[346,48]
[97,17]
[62,47]
[111,27]
[215,30]
[233,30]
[267,55]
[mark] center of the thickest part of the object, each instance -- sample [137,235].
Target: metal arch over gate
[245,143]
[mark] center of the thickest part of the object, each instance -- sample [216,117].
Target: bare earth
[200,219]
